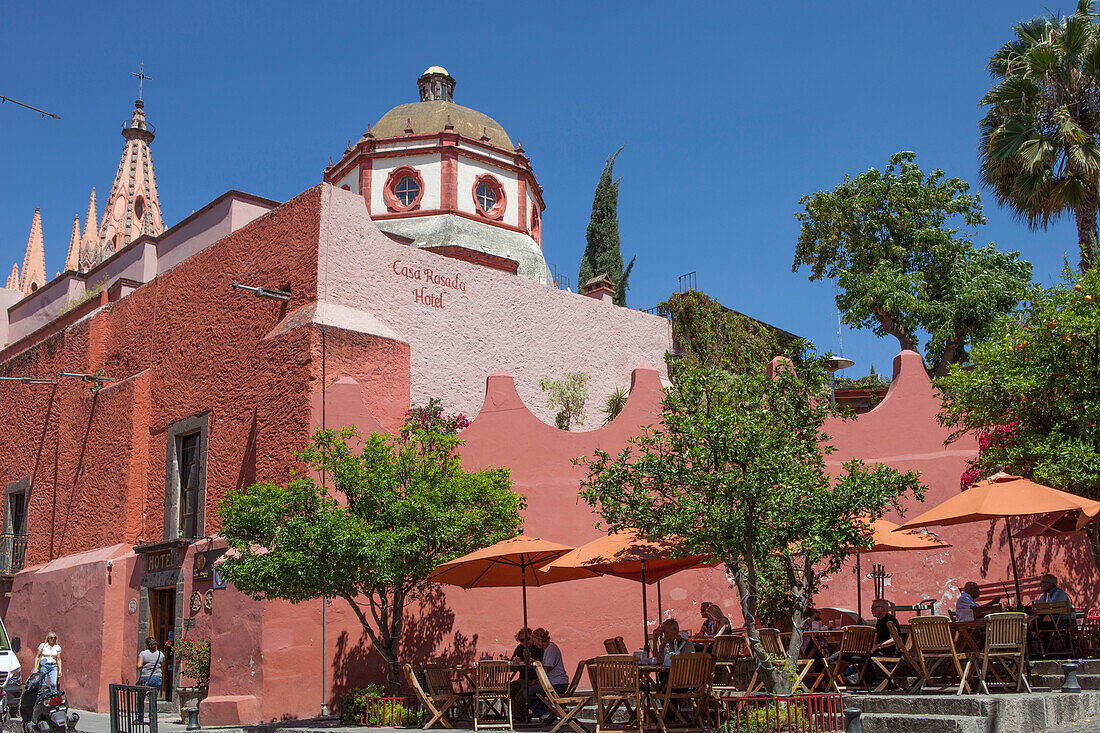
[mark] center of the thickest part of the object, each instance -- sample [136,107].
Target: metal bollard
[851,720]
[1069,672]
[192,718]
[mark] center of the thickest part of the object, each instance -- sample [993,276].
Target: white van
[10,672]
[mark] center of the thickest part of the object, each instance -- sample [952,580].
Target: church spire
[133,207]
[13,279]
[72,259]
[34,262]
[89,243]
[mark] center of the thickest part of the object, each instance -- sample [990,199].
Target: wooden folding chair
[901,666]
[773,645]
[856,646]
[615,645]
[441,684]
[1054,630]
[935,649]
[689,679]
[436,705]
[493,692]
[616,686]
[565,705]
[726,651]
[1005,647]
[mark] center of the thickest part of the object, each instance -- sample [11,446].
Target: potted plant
[194,657]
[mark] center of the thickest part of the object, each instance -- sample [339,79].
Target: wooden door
[162,608]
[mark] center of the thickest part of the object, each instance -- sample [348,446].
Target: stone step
[1054,681]
[946,705]
[910,723]
[1054,666]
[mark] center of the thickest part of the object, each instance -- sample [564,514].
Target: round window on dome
[489,197]
[407,190]
[404,189]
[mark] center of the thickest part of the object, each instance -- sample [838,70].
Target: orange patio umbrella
[629,555]
[508,563]
[1002,496]
[890,537]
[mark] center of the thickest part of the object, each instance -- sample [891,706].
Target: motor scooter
[44,710]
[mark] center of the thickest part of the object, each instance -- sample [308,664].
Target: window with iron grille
[188,452]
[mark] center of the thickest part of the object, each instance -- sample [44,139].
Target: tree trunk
[775,680]
[1086,231]
[1093,529]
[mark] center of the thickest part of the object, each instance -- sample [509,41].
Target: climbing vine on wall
[710,334]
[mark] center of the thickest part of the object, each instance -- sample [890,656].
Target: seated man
[968,601]
[1053,594]
[880,609]
[671,642]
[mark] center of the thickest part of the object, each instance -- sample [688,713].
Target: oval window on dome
[486,196]
[407,190]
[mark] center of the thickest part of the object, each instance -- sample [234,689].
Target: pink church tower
[34,261]
[133,207]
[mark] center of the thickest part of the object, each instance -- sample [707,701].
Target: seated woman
[722,624]
[555,671]
[526,650]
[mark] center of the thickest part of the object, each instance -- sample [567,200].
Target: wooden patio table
[515,668]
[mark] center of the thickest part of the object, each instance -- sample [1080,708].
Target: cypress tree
[602,254]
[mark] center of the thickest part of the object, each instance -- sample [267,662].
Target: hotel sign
[162,566]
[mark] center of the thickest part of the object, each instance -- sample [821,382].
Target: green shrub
[365,706]
[781,716]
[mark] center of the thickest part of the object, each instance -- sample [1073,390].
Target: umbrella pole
[1015,572]
[859,592]
[660,610]
[645,616]
[526,650]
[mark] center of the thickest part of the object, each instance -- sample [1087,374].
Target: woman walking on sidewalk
[48,659]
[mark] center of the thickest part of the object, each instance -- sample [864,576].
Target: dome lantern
[436,84]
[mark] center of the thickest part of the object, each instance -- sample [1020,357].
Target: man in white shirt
[968,601]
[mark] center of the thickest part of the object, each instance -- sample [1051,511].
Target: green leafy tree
[737,470]
[395,507]
[1040,137]
[569,394]
[601,253]
[902,265]
[1033,394]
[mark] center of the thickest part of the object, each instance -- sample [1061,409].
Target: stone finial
[449,125]
[72,259]
[485,135]
[519,145]
[13,279]
[408,126]
[600,288]
[368,133]
[34,262]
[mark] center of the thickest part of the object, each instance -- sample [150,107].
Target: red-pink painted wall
[185,344]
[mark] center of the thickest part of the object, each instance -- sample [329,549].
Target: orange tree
[736,469]
[1032,393]
[407,506]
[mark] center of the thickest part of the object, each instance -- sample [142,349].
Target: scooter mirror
[16,644]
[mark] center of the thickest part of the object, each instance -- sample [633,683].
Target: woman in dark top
[534,653]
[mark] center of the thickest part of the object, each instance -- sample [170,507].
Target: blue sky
[729,113]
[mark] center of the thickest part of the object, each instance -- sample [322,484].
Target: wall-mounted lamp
[28,380]
[262,292]
[87,377]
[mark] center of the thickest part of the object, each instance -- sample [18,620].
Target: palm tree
[1040,137]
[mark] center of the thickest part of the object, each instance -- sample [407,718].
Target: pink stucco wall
[495,321]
